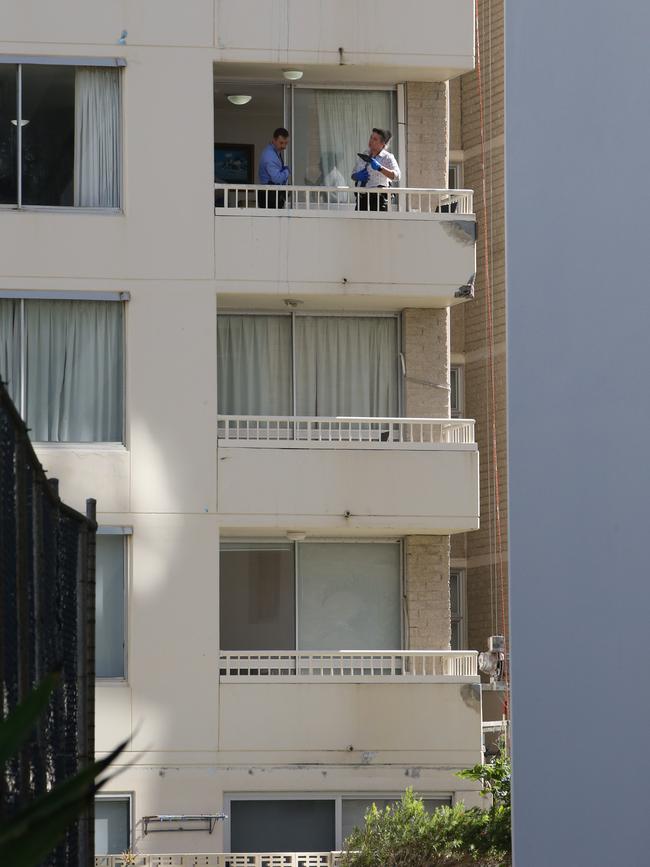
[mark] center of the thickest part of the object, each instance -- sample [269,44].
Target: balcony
[382,699]
[224,859]
[423,243]
[345,475]
[349,666]
[433,38]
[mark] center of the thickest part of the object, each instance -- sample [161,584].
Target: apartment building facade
[258,397]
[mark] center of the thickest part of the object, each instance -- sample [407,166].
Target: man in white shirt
[379,170]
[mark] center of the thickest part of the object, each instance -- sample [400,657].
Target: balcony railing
[260,430]
[400,666]
[266,200]
[224,859]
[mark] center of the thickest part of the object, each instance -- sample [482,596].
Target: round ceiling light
[292,74]
[239,98]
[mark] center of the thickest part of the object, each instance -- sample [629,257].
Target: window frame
[120,796]
[337,797]
[57,295]
[457,369]
[125,532]
[460,574]
[457,168]
[294,314]
[243,541]
[20,60]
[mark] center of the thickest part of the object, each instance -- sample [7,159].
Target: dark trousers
[377,202]
[270,199]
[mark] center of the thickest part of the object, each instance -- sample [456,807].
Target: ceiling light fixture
[239,98]
[296,535]
[292,74]
[22,122]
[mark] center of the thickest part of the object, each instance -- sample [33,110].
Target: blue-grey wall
[578,237]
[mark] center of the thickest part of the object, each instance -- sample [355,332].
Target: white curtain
[97,140]
[345,121]
[254,365]
[349,596]
[74,371]
[346,365]
[10,348]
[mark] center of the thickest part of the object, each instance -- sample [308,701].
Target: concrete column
[427,134]
[427,592]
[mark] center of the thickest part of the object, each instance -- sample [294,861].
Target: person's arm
[391,171]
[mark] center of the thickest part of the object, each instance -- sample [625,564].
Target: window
[332,126]
[63,362]
[310,596]
[456,377]
[112,825]
[307,365]
[458,619]
[110,604]
[455,176]
[286,823]
[60,137]
[282,826]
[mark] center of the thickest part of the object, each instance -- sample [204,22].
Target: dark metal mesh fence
[47,623]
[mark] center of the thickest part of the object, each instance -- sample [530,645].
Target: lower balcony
[383,700]
[224,859]
[345,475]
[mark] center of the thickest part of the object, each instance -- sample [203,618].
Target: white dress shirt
[377,179]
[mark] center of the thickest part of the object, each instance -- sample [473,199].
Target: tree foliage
[406,835]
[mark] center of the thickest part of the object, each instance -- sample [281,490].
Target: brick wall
[427,592]
[427,134]
[469,323]
[425,343]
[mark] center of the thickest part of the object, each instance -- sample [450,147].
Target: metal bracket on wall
[207,820]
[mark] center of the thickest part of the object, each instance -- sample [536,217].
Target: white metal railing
[401,665]
[380,432]
[268,199]
[224,859]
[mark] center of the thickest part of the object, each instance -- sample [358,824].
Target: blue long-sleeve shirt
[271,168]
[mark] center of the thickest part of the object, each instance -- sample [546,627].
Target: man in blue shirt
[272,170]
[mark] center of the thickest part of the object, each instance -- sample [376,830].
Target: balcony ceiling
[331,74]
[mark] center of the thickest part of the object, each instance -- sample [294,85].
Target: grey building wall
[577,131]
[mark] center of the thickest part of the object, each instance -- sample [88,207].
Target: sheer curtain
[345,120]
[254,365]
[349,596]
[10,348]
[346,366]
[74,371]
[97,140]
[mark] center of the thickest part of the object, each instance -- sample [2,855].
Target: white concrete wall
[383,489]
[335,716]
[404,261]
[436,34]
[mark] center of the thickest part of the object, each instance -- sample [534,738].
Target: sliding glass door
[330,126]
[308,365]
[311,596]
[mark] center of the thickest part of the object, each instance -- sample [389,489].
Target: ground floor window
[112,825]
[279,823]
